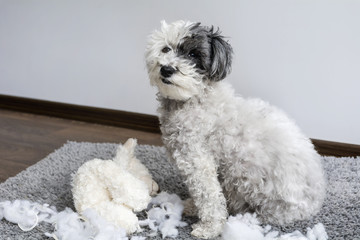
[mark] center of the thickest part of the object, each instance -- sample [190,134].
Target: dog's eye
[193,54]
[166,50]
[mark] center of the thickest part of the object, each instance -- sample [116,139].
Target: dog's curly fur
[236,154]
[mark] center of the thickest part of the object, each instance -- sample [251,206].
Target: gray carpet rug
[48,181]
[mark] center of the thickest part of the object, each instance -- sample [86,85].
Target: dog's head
[183,58]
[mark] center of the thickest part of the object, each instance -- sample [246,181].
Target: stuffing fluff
[26,214]
[69,225]
[165,215]
[247,227]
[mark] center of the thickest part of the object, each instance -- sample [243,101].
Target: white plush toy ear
[130,145]
[125,152]
[125,158]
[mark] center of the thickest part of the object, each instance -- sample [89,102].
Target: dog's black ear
[221,56]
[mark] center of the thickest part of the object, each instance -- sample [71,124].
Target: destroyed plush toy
[115,188]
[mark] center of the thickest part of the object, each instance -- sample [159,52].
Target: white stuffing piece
[69,225]
[26,214]
[247,227]
[165,215]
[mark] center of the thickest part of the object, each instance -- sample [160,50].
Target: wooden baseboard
[137,121]
[329,148]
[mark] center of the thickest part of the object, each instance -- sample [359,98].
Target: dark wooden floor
[28,138]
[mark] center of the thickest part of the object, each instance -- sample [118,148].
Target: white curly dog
[237,155]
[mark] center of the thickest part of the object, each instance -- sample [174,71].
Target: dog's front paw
[207,230]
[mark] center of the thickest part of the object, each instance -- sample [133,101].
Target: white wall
[301,55]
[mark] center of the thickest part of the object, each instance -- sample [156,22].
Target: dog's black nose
[167,71]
